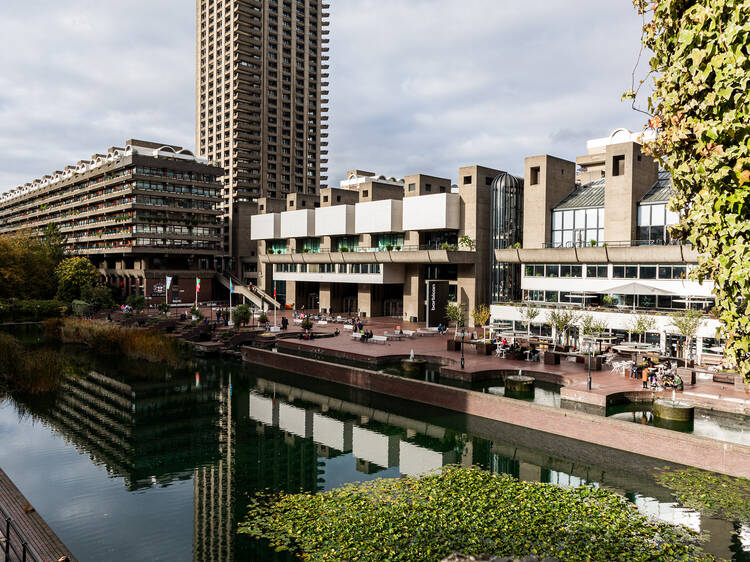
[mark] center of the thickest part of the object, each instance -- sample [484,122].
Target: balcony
[634,253]
[403,255]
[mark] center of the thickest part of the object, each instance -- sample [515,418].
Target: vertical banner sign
[437,302]
[197,285]
[169,286]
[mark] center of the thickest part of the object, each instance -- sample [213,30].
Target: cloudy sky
[416,85]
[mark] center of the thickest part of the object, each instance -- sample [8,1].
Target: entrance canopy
[638,289]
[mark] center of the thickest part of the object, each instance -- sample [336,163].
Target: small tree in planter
[562,320]
[640,324]
[456,314]
[687,323]
[481,315]
[528,313]
[306,323]
[609,301]
[196,313]
[163,308]
[241,315]
[263,318]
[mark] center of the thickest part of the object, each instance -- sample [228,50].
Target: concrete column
[414,292]
[411,239]
[467,290]
[663,341]
[698,348]
[364,299]
[291,294]
[365,240]
[324,297]
[325,242]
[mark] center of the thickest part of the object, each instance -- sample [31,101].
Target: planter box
[453,345]
[485,348]
[686,374]
[596,362]
[550,358]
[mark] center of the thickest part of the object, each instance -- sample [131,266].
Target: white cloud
[416,85]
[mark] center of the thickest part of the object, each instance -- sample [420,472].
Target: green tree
[27,271]
[164,308]
[99,296]
[639,324]
[136,302]
[241,315]
[73,276]
[701,108]
[687,323]
[528,313]
[456,314]
[467,242]
[562,319]
[481,315]
[54,240]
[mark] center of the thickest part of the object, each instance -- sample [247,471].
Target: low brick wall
[708,454]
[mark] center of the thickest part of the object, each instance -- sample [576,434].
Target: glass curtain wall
[506,230]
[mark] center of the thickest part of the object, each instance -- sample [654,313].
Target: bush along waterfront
[109,338]
[29,371]
[467,510]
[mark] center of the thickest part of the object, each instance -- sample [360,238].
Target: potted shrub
[306,323]
[592,243]
[389,247]
[262,319]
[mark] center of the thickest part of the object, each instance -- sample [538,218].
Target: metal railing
[615,244]
[14,546]
[395,248]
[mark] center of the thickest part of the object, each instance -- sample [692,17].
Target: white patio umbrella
[635,288]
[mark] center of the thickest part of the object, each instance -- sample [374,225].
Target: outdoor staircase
[259,298]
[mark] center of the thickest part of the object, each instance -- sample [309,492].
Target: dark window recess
[304,203]
[365,193]
[325,199]
[291,203]
[488,180]
[412,187]
[618,165]
[428,187]
[534,175]
[338,198]
[467,180]
[262,207]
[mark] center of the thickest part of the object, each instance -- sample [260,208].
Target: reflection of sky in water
[722,429]
[744,536]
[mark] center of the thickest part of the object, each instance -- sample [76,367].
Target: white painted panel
[415,460]
[432,212]
[265,227]
[378,216]
[298,224]
[262,409]
[375,447]
[296,421]
[334,221]
[332,433]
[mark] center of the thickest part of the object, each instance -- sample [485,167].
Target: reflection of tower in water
[213,524]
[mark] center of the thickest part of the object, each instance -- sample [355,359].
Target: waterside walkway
[26,525]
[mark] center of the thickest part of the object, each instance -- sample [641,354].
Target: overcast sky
[416,85]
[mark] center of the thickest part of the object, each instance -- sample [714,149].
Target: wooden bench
[379,339]
[409,333]
[393,336]
[348,327]
[726,378]
[427,332]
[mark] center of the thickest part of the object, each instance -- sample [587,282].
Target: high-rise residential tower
[261,95]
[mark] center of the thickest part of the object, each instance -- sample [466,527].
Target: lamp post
[588,378]
[463,334]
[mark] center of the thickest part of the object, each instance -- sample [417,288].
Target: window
[365,193]
[648,272]
[624,271]
[467,180]
[597,271]
[579,227]
[428,187]
[534,175]
[325,199]
[412,187]
[618,165]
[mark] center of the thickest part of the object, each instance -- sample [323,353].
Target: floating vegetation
[709,493]
[467,510]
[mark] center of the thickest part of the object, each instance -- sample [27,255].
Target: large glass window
[579,227]
[653,221]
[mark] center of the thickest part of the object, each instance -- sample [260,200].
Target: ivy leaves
[701,107]
[467,510]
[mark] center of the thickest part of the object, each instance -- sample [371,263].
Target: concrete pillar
[698,348]
[467,291]
[414,292]
[411,239]
[291,294]
[324,297]
[663,342]
[364,299]
[365,240]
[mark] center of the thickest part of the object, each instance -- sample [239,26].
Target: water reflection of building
[146,431]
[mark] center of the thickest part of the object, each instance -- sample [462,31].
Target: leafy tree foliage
[73,276]
[687,323]
[27,268]
[54,240]
[241,315]
[639,324]
[701,107]
[456,314]
[481,315]
[466,510]
[99,296]
[562,319]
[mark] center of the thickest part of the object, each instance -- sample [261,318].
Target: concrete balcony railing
[407,254]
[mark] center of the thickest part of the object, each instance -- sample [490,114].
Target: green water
[131,461]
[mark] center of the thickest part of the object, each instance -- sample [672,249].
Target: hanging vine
[701,110]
